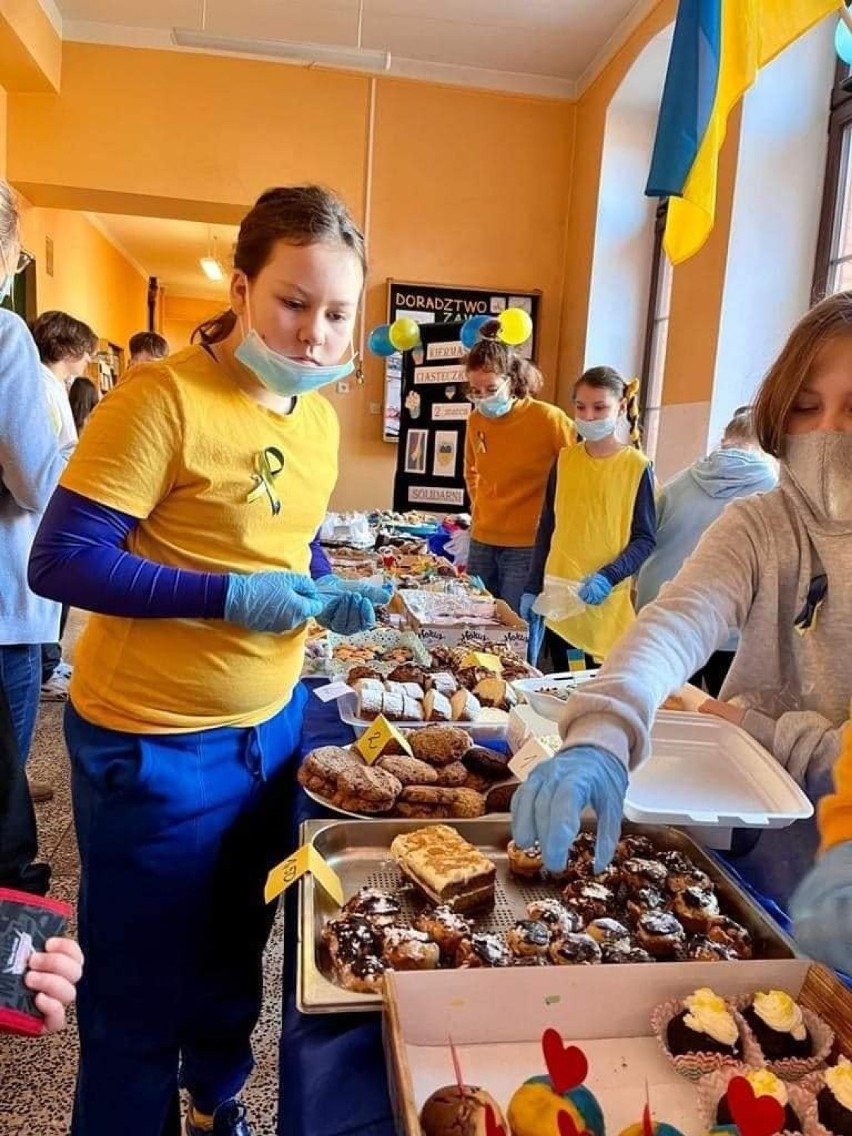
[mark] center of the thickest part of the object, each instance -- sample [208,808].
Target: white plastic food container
[704,774]
[534,690]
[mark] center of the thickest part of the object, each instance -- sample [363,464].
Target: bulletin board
[433,422]
[440,304]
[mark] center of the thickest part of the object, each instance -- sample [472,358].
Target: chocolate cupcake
[834,1101]
[778,1026]
[765,1084]
[589,900]
[702,949]
[575,950]
[696,908]
[528,937]
[705,1025]
[660,934]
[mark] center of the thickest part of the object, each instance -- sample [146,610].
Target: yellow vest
[593,507]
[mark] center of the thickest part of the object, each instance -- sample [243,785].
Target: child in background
[598,523]
[83,397]
[512,441]
[689,504]
[775,566]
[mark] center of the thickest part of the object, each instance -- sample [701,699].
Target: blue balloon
[379,342]
[470,330]
[843,41]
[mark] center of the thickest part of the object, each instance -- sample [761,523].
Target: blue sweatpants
[177,833]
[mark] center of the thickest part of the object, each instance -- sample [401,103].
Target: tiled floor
[37,1077]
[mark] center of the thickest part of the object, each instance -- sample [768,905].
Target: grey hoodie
[689,504]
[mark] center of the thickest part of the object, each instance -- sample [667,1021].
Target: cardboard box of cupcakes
[757,1048]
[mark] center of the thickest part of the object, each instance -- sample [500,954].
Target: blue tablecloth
[332,1073]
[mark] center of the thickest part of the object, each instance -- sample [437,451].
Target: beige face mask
[820,466]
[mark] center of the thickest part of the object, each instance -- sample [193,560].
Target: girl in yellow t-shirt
[183,523]
[512,441]
[598,524]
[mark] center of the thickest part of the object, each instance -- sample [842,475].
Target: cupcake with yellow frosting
[834,1100]
[701,1033]
[765,1084]
[704,1025]
[778,1025]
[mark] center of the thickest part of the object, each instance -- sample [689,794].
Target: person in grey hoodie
[689,504]
[31,461]
[777,567]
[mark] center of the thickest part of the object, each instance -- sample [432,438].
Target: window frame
[839,121]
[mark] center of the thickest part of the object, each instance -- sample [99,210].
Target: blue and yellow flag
[717,50]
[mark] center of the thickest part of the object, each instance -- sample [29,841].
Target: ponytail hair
[607,378]
[496,357]
[298,215]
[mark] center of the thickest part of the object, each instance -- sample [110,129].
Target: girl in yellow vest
[598,524]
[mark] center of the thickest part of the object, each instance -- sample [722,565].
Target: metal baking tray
[359,851]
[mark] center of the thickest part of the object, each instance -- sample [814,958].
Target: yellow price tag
[483,659]
[374,741]
[306,859]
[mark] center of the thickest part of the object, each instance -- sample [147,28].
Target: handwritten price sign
[376,740]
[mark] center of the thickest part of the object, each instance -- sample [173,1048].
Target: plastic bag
[458,547]
[559,599]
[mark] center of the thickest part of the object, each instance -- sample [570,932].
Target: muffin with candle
[764,1083]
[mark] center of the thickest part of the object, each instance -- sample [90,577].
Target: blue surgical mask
[284,376]
[595,429]
[495,405]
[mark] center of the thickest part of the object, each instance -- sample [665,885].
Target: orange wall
[91,279]
[180,315]
[465,187]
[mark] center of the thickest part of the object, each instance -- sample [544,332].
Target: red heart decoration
[753,1115]
[492,1128]
[566,1064]
[567,1127]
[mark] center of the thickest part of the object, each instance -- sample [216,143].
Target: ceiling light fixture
[210,264]
[329,55]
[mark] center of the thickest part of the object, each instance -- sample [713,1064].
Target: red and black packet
[26,923]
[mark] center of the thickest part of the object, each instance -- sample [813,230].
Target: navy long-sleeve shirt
[643,535]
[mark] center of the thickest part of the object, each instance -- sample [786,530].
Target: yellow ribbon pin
[264,476]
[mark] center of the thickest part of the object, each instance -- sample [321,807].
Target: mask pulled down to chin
[284,376]
[820,466]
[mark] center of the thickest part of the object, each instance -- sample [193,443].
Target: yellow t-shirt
[507,463]
[176,445]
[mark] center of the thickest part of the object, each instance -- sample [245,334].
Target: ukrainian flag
[717,50]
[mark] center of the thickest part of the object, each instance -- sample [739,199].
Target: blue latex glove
[525,607]
[536,639]
[822,909]
[594,589]
[271,601]
[547,806]
[347,613]
[377,594]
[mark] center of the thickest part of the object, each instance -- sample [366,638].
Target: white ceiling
[171,250]
[550,47]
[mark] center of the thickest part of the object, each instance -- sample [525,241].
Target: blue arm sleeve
[543,537]
[79,557]
[320,563]
[643,534]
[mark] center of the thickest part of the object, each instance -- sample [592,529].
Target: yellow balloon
[515,326]
[404,334]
